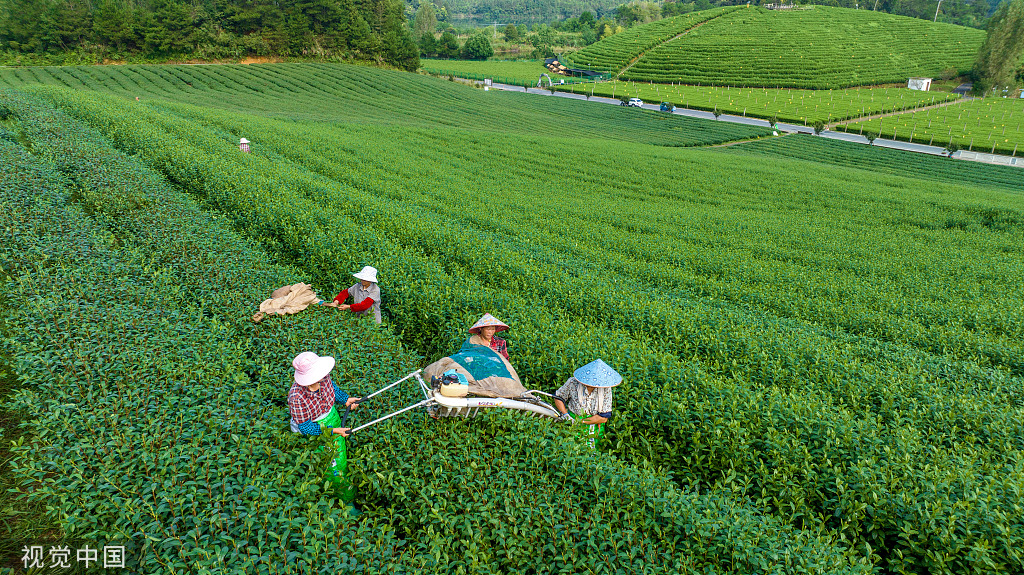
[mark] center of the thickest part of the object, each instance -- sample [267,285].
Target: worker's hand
[353,403]
[343,431]
[331,304]
[344,306]
[565,417]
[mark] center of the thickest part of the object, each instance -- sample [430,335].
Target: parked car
[636,103]
[668,107]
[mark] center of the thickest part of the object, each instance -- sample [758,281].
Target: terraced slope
[616,52]
[885,161]
[345,93]
[815,47]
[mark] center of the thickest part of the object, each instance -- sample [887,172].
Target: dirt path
[886,115]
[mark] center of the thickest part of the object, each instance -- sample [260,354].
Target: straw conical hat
[486,321]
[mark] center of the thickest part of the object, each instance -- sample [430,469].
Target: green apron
[337,473]
[591,433]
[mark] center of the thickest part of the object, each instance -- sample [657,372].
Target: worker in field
[365,294]
[586,398]
[483,334]
[311,405]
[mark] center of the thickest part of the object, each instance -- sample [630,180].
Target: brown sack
[287,300]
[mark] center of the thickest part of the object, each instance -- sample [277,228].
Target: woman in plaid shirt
[312,396]
[483,334]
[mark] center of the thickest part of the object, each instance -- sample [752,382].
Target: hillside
[818,360]
[815,47]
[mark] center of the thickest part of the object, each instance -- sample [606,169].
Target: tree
[637,12]
[21,29]
[448,46]
[819,127]
[169,28]
[477,47]
[952,148]
[113,24]
[586,20]
[425,21]
[511,33]
[999,60]
[428,44]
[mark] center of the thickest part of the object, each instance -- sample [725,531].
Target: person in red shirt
[365,294]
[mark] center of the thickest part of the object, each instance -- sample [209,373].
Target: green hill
[816,47]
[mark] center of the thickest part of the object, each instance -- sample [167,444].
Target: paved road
[790,128]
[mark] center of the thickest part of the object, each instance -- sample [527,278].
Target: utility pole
[936,19]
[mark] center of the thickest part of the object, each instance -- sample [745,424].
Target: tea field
[617,51]
[822,362]
[784,105]
[815,47]
[990,125]
[327,92]
[516,73]
[885,161]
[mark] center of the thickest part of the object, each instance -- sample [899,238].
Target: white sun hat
[243,141]
[311,368]
[597,374]
[488,320]
[368,273]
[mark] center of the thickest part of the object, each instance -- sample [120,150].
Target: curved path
[790,128]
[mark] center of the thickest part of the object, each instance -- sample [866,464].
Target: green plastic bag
[337,473]
[591,433]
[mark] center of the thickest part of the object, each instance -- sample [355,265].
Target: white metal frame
[462,406]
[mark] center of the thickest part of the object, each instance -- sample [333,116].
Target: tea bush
[990,125]
[886,161]
[135,314]
[818,47]
[331,93]
[617,51]
[834,403]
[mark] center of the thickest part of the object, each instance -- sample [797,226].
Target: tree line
[373,30]
[973,13]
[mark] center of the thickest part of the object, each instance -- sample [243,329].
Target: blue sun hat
[597,374]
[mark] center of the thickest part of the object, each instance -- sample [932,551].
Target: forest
[380,31]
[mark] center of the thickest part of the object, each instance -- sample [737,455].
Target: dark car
[668,107]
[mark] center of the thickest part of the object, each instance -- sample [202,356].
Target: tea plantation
[782,105]
[815,47]
[885,161]
[822,362]
[991,125]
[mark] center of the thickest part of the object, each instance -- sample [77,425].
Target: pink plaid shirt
[306,405]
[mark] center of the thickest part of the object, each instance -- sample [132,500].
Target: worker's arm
[363,305]
[560,406]
[597,419]
[341,297]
